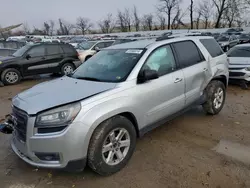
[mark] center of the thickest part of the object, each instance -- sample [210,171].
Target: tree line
[169,14]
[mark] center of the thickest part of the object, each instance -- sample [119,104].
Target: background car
[244,38]
[76,40]
[87,49]
[226,42]
[39,58]
[239,63]
[123,40]
[6,52]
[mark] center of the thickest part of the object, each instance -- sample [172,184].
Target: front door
[164,96]
[34,61]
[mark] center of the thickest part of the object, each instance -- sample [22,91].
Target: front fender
[103,111]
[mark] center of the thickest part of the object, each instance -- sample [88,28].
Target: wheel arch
[222,78]
[14,66]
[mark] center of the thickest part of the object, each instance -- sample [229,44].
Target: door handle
[177,80]
[205,69]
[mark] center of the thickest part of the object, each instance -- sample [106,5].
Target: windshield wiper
[88,78]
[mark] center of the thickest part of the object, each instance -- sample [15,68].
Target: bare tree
[198,18]
[46,28]
[205,10]
[147,22]
[221,6]
[26,28]
[65,28]
[128,20]
[168,6]
[83,24]
[162,21]
[52,26]
[177,20]
[121,21]
[191,8]
[232,13]
[136,19]
[107,25]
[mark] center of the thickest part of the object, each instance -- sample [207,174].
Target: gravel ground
[181,153]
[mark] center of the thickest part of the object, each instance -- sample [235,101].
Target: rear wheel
[112,145]
[216,95]
[67,68]
[10,76]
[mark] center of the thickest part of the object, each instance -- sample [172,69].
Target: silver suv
[95,115]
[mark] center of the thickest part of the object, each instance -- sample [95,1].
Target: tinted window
[239,52]
[100,45]
[212,47]
[37,51]
[107,44]
[22,51]
[188,54]
[53,49]
[161,60]
[68,49]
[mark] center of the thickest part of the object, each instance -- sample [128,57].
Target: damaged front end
[7,127]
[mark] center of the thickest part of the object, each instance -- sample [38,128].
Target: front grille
[21,119]
[234,74]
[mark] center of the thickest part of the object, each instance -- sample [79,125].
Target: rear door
[54,57]
[36,63]
[194,66]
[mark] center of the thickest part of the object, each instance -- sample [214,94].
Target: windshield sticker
[134,51]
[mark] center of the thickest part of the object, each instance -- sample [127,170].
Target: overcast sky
[35,12]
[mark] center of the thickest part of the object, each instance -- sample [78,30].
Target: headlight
[248,68]
[59,116]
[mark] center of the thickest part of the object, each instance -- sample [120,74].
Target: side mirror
[147,75]
[28,56]
[97,49]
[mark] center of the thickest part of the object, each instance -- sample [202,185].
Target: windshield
[86,45]
[21,51]
[224,38]
[109,65]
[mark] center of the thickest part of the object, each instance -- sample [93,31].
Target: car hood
[8,58]
[58,92]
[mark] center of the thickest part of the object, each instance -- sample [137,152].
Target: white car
[87,49]
[239,63]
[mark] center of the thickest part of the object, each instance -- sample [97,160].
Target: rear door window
[212,47]
[68,49]
[101,45]
[107,44]
[53,49]
[188,54]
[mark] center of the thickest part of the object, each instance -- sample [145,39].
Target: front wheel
[216,95]
[10,76]
[67,68]
[111,145]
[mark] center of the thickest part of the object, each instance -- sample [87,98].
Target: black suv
[40,58]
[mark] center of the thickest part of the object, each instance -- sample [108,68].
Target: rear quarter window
[68,49]
[212,47]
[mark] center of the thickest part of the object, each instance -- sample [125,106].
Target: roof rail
[177,35]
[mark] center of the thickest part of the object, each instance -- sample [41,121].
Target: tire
[67,68]
[97,157]
[214,104]
[10,76]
